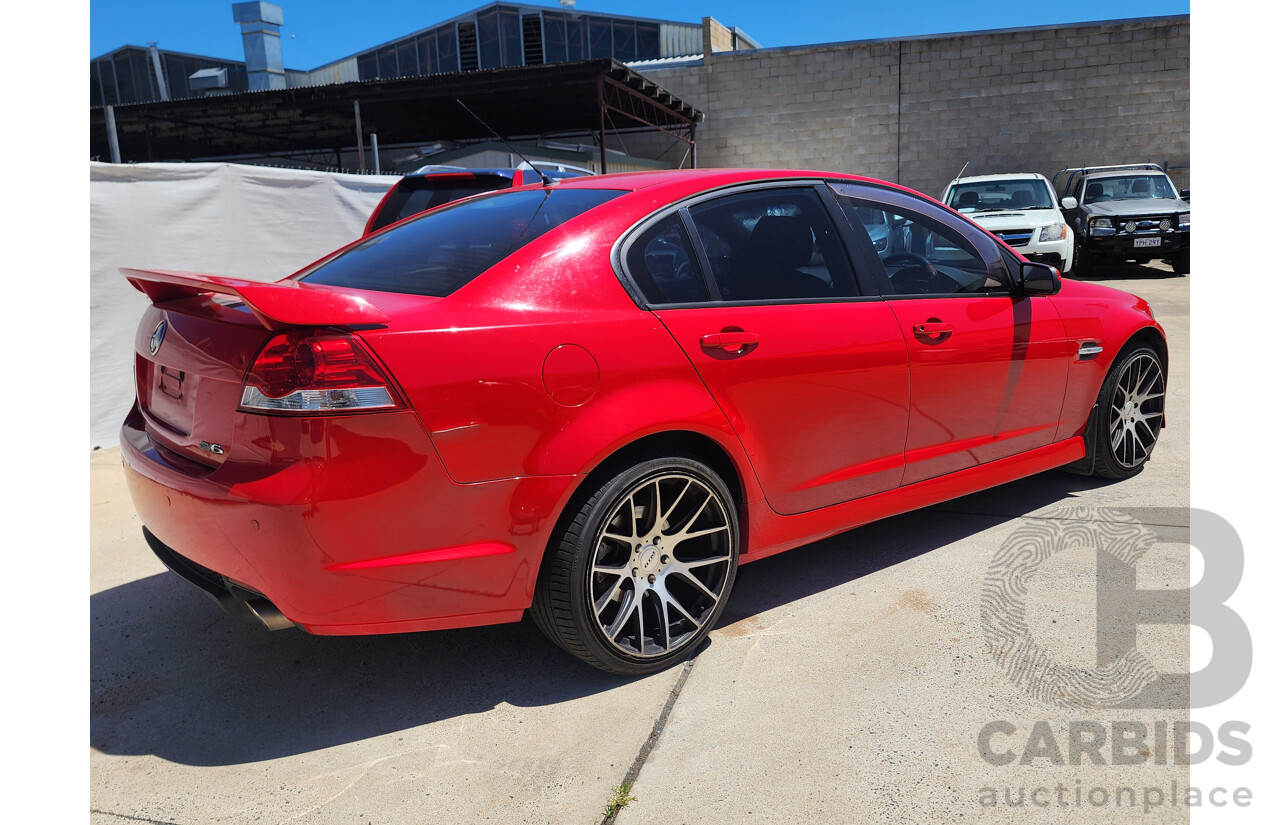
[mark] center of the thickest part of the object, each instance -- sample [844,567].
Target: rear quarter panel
[478,366]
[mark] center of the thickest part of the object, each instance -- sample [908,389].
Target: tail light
[309,372]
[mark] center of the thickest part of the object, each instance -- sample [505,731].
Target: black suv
[1126,213]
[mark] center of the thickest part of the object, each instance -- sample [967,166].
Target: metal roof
[526,8]
[522,101]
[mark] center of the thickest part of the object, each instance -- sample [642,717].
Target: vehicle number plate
[1138,243]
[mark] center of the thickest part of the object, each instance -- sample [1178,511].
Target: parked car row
[1106,213]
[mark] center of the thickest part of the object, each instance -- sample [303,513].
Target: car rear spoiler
[277,305]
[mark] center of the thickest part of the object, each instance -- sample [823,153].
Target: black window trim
[887,198]
[622,247]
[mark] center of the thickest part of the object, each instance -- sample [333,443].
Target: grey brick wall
[916,110]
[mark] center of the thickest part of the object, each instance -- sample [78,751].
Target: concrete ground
[847,682]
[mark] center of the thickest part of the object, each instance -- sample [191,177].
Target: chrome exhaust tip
[267,613]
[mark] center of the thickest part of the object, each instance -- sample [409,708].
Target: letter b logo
[1124,677]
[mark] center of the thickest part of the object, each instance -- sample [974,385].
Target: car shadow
[1127,270]
[848,556]
[173,676]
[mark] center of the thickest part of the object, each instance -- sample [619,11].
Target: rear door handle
[729,340]
[933,328]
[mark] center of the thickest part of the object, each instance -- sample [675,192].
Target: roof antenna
[546,179]
[960,174]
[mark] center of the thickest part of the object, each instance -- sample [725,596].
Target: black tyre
[1181,262]
[642,568]
[1082,265]
[1130,414]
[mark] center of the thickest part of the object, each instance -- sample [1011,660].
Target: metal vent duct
[260,27]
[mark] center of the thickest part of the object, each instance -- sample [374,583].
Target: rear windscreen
[438,253]
[414,195]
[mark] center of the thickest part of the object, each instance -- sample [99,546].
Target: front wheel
[1082,263]
[1181,262]
[642,569]
[1131,410]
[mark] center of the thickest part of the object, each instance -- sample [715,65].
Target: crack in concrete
[659,724]
[132,818]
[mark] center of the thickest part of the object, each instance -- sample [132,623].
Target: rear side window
[440,252]
[661,261]
[414,195]
[773,244]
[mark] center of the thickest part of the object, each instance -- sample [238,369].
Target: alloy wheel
[1136,408]
[661,565]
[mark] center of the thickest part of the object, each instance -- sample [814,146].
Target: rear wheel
[642,569]
[1131,410]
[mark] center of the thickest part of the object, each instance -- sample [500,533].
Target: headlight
[1184,222]
[1053,232]
[1101,226]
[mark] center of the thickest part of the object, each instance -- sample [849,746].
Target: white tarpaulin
[219,218]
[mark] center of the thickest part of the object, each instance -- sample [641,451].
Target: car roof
[1010,176]
[1123,173]
[460,172]
[503,171]
[682,182]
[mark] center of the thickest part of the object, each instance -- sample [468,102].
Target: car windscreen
[441,251]
[999,195]
[414,195]
[1128,188]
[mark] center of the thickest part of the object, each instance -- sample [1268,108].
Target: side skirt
[771,533]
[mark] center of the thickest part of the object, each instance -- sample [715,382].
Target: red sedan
[593,400]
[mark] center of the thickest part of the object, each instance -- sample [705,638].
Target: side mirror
[1186,195]
[1039,279]
[1070,203]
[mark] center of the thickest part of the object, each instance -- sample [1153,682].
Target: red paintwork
[979,393]
[526,379]
[278,305]
[841,366]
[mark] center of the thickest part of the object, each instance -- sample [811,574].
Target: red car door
[811,373]
[988,367]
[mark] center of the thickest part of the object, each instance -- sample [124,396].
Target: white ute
[1021,210]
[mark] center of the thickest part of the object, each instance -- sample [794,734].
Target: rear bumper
[361,531]
[245,605]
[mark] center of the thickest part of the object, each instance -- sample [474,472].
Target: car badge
[157,337]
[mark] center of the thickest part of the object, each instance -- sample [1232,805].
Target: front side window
[921,255]
[773,244]
[443,250]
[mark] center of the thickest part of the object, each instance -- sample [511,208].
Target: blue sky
[318,31]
